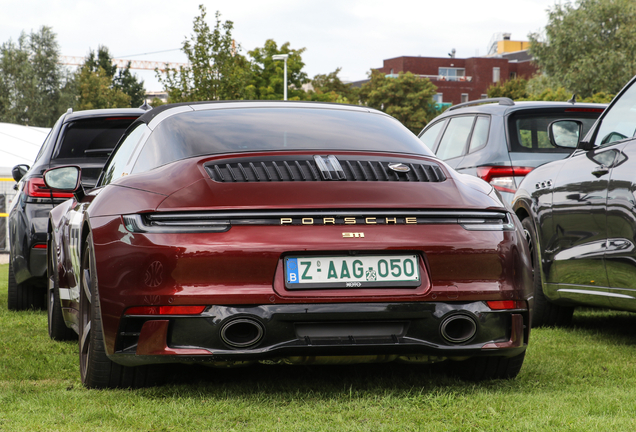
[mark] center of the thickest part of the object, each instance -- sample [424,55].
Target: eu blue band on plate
[292,270]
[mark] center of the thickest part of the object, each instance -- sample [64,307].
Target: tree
[408,98]
[589,46]
[329,88]
[32,83]
[514,89]
[267,79]
[130,85]
[216,70]
[96,90]
[101,65]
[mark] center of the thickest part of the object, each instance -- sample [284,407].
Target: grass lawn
[581,379]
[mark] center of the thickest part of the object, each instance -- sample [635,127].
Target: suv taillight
[502,177]
[36,188]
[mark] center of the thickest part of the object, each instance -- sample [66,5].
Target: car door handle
[600,170]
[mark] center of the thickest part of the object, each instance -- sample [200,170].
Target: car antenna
[573,100]
[145,106]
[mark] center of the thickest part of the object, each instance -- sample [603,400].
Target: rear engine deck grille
[305,169]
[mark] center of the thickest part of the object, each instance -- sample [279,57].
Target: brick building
[460,80]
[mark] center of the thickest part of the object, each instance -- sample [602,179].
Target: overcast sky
[354,35]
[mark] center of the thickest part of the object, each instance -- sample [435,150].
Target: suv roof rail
[502,101]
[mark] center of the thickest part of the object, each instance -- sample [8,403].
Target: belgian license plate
[366,271]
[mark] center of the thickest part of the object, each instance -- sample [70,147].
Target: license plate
[352,271]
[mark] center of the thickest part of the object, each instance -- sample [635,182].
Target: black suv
[501,142]
[83,138]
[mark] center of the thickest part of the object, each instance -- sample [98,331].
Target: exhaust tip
[242,333]
[458,328]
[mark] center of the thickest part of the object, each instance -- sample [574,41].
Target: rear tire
[56,324]
[545,313]
[487,368]
[23,296]
[96,369]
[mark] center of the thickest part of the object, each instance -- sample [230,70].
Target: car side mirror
[19,171]
[565,133]
[63,179]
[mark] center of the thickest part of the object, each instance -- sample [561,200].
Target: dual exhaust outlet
[247,332]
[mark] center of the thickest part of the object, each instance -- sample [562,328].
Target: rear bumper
[291,332]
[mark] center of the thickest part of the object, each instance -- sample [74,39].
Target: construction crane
[122,63]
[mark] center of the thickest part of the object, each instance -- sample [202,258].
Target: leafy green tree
[267,79]
[589,45]
[329,88]
[101,64]
[96,90]
[102,59]
[408,98]
[515,89]
[216,70]
[130,85]
[32,83]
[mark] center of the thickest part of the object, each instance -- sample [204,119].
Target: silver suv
[500,140]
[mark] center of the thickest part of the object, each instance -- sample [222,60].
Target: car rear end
[83,138]
[305,255]
[527,143]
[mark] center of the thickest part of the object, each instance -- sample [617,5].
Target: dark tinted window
[92,138]
[529,132]
[255,129]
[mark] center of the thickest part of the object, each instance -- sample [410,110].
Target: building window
[439,98]
[452,74]
[496,74]
[464,97]
[513,75]
[484,96]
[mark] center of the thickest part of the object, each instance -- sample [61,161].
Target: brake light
[506,304]
[594,110]
[165,310]
[37,189]
[502,177]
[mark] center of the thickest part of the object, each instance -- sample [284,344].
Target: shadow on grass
[324,379]
[611,326]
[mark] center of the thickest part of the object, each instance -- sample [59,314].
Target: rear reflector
[39,246]
[506,304]
[37,189]
[165,310]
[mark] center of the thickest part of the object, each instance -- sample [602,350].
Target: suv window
[529,132]
[91,138]
[429,137]
[455,137]
[620,121]
[479,137]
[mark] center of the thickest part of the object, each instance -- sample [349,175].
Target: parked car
[502,142]
[580,216]
[282,232]
[83,138]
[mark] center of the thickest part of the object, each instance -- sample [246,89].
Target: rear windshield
[529,132]
[273,129]
[92,138]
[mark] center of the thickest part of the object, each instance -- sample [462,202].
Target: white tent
[19,145]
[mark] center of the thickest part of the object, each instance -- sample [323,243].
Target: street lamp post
[283,57]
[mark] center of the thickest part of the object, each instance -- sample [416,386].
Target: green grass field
[581,379]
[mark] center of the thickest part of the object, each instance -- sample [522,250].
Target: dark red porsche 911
[282,232]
